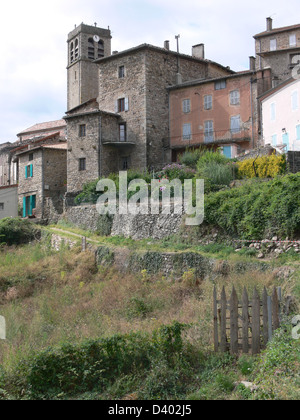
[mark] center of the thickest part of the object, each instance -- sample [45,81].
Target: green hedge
[257,209]
[14,231]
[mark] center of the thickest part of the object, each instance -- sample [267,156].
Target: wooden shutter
[26,172]
[24,205]
[31,171]
[126,104]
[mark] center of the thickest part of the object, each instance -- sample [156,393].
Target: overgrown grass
[75,330]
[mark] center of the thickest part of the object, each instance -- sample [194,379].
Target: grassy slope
[49,298]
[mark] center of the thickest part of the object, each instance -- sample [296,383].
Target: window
[72,52]
[235,124]
[100,49]
[82,164]
[295,101]
[273,45]
[125,163]
[235,97]
[91,49]
[220,85]
[207,102]
[28,171]
[293,40]
[208,131]
[76,49]
[30,157]
[29,203]
[298,132]
[121,72]
[187,132]
[82,130]
[186,106]
[274,140]
[1,206]
[122,132]
[122,105]
[273,112]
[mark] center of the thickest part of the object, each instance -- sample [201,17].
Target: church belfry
[85,45]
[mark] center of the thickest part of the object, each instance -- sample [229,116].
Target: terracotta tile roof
[44,126]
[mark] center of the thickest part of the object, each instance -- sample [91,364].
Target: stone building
[278,49]
[8,170]
[124,123]
[42,179]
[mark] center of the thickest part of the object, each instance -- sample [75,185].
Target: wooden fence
[245,325]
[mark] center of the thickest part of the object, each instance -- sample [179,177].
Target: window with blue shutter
[31,171]
[26,172]
[24,207]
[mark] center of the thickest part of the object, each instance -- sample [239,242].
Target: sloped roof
[277,30]
[50,125]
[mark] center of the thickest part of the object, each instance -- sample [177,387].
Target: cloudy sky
[34,51]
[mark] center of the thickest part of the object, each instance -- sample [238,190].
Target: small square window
[1,206]
[82,130]
[220,85]
[82,164]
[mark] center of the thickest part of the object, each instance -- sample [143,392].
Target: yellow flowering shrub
[265,167]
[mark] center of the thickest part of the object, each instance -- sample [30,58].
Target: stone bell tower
[85,45]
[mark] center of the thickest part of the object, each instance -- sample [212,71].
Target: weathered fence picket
[251,322]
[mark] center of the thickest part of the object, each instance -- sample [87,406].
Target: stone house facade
[278,49]
[42,179]
[127,124]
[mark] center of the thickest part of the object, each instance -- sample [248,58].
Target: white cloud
[34,50]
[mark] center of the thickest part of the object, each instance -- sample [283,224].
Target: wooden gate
[245,325]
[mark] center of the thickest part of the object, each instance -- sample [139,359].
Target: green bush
[14,231]
[94,365]
[257,209]
[190,157]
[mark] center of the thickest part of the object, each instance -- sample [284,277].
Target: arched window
[100,48]
[76,49]
[72,52]
[91,49]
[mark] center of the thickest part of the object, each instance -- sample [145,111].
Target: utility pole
[177,39]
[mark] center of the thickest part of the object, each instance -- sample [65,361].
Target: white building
[8,201]
[280,108]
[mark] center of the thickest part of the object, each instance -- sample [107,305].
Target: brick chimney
[269,24]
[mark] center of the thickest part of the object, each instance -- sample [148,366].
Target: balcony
[117,143]
[212,138]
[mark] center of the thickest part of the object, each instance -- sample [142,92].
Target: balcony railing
[213,137]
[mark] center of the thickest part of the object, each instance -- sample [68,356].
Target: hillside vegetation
[76,330]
